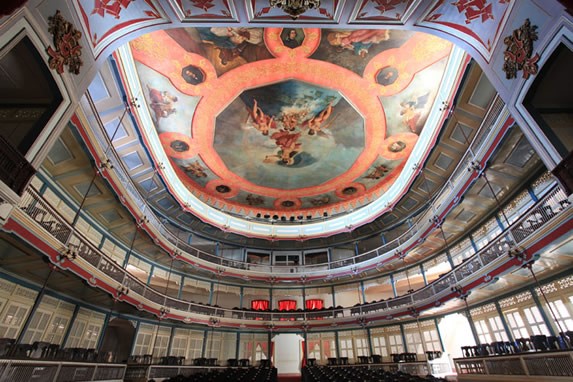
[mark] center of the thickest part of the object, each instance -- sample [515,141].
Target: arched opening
[117,339]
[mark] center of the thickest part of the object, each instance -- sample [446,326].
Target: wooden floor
[289,378]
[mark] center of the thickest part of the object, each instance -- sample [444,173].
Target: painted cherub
[196,169]
[262,122]
[378,172]
[288,145]
[161,102]
[318,122]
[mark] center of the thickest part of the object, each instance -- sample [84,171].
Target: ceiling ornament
[519,51]
[295,8]
[67,50]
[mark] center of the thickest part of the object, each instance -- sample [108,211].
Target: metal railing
[488,258]
[384,253]
[54,371]
[527,366]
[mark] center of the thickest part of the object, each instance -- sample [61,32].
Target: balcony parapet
[41,224]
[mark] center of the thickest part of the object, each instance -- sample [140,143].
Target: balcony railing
[537,366]
[440,206]
[488,259]
[55,371]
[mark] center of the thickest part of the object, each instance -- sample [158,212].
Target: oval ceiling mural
[288,122]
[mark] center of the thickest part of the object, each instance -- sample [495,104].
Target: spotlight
[258,215]
[300,217]
[325,214]
[283,218]
[308,217]
[267,216]
[275,217]
[291,218]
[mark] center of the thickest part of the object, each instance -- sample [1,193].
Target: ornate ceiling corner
[261,11]
[68,50]
[382,11]
[105,21]
[205,10]
[479,23]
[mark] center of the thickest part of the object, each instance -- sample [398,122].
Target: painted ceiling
[288,123]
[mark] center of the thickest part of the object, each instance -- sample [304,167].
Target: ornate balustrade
[535,366]
[52,371]
[78,254]
[446,199]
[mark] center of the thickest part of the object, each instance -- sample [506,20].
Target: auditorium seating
[251,374]
[351,374]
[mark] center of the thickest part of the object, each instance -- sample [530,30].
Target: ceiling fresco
[288,122]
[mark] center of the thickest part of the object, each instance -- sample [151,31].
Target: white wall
[288,353]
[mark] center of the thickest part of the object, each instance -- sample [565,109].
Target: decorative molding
[67,50]
[519,51]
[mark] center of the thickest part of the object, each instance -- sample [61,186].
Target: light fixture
[295,8]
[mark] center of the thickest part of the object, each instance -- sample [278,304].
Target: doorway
[288,353]
[117,339]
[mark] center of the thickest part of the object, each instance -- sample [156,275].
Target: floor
[289,378]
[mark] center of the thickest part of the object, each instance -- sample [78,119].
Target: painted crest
[67,50]
[518,54]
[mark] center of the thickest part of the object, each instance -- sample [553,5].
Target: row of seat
[48,351]
[376,359]
[353,374]
[251,374]
[534,343]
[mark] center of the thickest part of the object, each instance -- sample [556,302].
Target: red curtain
[303,363]
[260,304]
[314,304]
[286,305]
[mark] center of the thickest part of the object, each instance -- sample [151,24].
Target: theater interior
[286,190]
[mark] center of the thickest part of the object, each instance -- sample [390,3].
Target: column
[69,328]
[544,315]
[439,335]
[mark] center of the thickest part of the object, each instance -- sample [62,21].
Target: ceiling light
[295,8]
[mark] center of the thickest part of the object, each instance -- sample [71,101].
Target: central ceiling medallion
[289,135]
[295,8]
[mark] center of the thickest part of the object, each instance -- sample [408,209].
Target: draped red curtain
[303,363]
[286,305]
[314,304]
[260,304]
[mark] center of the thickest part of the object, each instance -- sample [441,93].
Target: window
[414,343]
[379,346]
[38,325]
[535,321]
[482,331]
[161,342]
[517,325]
[86,329]
[361,346]
[562,314]
[497,329]
[144,339]
[432,340]
[12,320]
[346,349]
[396,345]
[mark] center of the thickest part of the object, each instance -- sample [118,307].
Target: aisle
[289,378]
